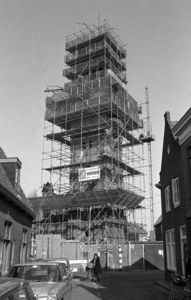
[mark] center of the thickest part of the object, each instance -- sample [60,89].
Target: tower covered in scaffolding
[91,143]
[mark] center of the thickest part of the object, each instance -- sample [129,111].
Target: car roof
[57,258]
[8,284]
[36,263]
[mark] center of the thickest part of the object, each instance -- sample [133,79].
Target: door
[183,248]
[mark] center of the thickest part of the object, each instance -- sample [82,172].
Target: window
[13,253]
[8,230]
[23,248]
[175,192]
[183,244]
[167,198]
[7,245]
[170,250]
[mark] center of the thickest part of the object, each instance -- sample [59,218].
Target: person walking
[96,266]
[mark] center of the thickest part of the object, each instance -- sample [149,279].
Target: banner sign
[89,173]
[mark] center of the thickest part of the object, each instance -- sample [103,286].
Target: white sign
[89,173]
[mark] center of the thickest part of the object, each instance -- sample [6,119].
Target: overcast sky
[32,35]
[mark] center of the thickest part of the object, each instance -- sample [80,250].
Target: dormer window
[12,167]
[17,179]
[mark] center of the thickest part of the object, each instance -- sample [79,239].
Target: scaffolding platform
[125,198]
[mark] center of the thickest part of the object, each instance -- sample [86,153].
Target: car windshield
[39,273]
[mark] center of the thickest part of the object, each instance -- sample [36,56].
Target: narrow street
[121,286]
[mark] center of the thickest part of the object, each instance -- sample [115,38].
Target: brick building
[175,179]
[16,215]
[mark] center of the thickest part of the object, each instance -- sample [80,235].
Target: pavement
[85,290]
[169,287]
[131,285]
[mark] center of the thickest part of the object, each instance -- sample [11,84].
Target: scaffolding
[91,158]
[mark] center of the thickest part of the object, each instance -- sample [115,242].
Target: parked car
[11,288]
[65,262]
[48,280]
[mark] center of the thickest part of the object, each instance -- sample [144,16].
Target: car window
[63,270]
[8,298]
[36,273]
[62,267]
[17,272]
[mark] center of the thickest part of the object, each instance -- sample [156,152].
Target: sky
[32,34]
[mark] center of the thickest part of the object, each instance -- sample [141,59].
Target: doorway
[183,248]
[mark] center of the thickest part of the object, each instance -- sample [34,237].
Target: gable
[171,155]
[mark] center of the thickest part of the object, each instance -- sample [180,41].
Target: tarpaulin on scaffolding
[124,198]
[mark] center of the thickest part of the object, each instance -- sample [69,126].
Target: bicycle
[176,295]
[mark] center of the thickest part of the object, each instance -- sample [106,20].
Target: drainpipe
[143,257]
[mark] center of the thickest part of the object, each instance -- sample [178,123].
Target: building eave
[182,129]
[16,202]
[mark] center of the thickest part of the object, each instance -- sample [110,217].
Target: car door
[30,292]
[17,294]
[22,294]
[70,275]
[67,270]
[65,292]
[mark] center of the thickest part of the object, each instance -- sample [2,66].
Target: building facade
[175,178]
[16,215]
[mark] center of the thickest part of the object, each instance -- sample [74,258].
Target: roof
[7,188]
[8,284]
[172,124]
[182,129]
[132,227]
[159,220]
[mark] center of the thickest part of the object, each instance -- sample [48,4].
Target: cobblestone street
[121,286]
